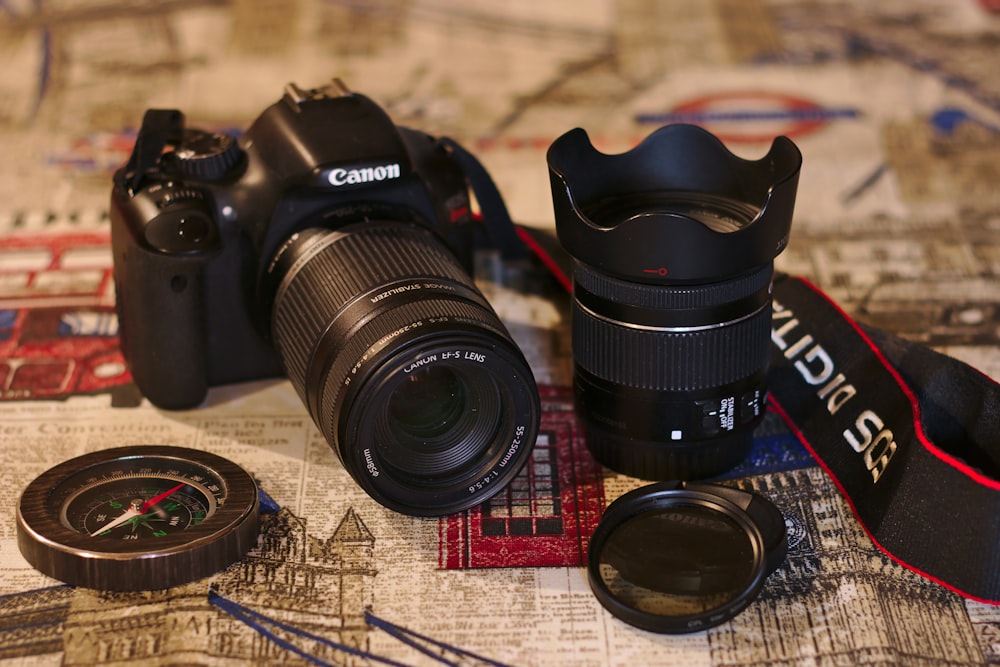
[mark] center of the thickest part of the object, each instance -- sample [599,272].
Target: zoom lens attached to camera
[673,243]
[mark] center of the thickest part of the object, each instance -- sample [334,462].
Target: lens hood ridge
[679,207]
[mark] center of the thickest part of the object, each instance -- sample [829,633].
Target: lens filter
[679,557]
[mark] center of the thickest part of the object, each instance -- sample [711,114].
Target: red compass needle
[134,511]
[146,506]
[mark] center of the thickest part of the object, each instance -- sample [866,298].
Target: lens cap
[679,557]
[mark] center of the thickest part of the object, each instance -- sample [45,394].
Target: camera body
[199,218]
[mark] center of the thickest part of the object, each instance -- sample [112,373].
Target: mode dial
[206,156]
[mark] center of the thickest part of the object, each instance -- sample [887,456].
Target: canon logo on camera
[383,172]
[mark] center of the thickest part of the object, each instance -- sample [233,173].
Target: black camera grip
[161,308]
[162,328]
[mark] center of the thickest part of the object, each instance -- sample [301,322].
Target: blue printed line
[927,66]
[268,505]
[948,119]
[45,72]
[771,454]
[857,43]
[46,47]
[405,635]
[747,116]
[247,617]
[866,184]
[258,621]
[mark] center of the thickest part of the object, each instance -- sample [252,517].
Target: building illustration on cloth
[545,516]
[322,586]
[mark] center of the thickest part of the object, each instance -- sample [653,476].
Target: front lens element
[440,423]
[428,405]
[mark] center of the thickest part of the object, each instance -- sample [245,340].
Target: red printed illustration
[546,515]
[58,328]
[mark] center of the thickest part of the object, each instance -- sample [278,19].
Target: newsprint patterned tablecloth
[896,108]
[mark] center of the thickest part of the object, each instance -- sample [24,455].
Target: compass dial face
[189,496]
[138,518]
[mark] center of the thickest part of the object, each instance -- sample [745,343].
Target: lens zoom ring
[671,297]
[671,361]
[342,266]
[384,324]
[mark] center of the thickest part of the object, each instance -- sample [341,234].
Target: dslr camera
[331,246]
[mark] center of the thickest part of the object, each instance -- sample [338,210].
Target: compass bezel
[107,563]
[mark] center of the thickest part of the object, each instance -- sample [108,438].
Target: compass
[138,518]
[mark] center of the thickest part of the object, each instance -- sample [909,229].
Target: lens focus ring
[720,332]
[334,268]
[666,361]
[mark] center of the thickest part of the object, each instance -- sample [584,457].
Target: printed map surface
[895,106]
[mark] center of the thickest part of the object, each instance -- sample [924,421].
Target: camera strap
[160,127]
[910,437]
[499,227]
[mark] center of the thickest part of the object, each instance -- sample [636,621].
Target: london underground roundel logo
[751,116]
